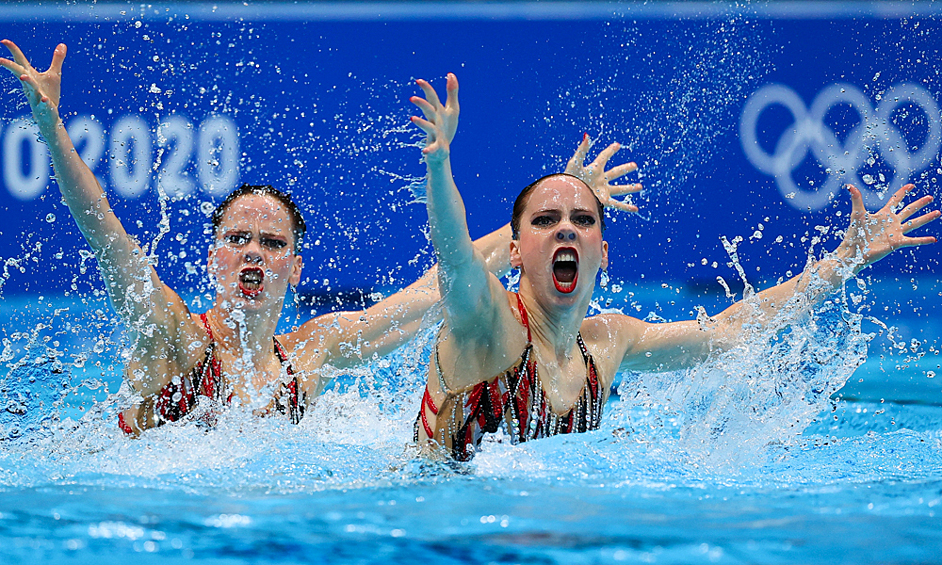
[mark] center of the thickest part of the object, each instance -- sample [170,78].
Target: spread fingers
[616,190]
[917,223]
[623,206]
[914,207]
[18,55]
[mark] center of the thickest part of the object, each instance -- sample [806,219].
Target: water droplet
[50,217]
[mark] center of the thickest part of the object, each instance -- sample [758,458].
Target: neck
[555,324]
[242,332]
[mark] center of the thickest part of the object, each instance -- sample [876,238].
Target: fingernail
[585,136]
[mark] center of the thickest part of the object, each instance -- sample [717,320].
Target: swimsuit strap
[585,351]
[592,377]
[427,398]
[282,355]
[296,396]
[208,377]
[426,401]
[523,317]
[438,369]
[206,325]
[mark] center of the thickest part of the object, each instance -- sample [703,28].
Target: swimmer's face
[560,247]
[252,259]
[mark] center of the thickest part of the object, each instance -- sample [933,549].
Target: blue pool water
[743,461]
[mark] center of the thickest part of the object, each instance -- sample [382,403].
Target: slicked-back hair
[521,202]
[298,227]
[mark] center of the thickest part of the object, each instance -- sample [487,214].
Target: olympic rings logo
[875,134]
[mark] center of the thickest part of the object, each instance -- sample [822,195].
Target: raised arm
[869,238]
[472,296]
[152,311]
[80,189]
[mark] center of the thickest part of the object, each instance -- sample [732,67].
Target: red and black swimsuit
[514,400]
[180,396]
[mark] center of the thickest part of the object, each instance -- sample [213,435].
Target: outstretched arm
[869,238]
[346,339]
[137,294]
[80,189]
[472,296]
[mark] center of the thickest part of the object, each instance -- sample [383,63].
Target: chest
[562,382]
[248,378]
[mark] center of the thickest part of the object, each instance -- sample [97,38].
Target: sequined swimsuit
[180,396]
[514,400]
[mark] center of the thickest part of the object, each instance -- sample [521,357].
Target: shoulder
[322,332]
[473,356]
[177,333]
[196,334]
[608,327]
[172,350]
[334,338]
[488,325]
[609,339]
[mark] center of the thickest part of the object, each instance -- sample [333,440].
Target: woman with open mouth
[530,363]
[191,365]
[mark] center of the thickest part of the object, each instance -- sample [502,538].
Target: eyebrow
[558,211]
[266,233]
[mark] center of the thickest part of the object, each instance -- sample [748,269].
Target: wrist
[52,130]
[437,161]
[848,261]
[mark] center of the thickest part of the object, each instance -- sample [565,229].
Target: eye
[238,238]
[273,243]
[542,221]
[584,220]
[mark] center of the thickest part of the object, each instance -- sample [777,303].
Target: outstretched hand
[870,237]
[42,89]
[441,121]
[598,179]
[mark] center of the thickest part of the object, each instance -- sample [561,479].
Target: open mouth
[251,281]
[565,269]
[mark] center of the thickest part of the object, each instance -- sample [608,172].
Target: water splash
[669,117]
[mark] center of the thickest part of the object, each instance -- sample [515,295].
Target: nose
[565,234]
[252,252]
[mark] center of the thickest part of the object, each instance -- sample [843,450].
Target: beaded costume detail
[513,401]
[180,396]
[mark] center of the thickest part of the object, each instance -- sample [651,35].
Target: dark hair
[298,226]
[521,202]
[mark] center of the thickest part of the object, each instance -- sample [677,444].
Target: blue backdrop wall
[745,122]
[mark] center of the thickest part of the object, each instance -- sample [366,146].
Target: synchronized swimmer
[528,363]
[184,364]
